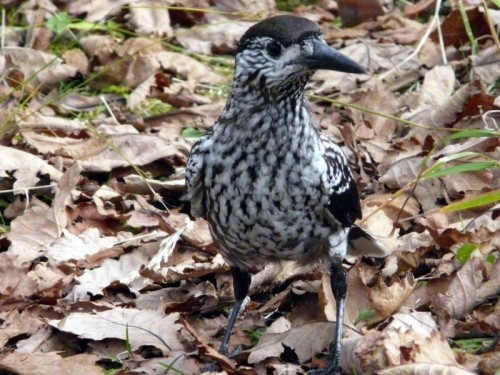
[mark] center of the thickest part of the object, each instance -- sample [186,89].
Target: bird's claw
[324,371]
[211,367]
[214,366]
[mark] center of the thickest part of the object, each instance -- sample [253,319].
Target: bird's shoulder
[344,203]
[195,174]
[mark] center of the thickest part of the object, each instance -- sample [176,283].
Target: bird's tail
[361,243]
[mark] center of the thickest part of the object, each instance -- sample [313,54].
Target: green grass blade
[465,251]
[474,133]
[480,200]
[440,171]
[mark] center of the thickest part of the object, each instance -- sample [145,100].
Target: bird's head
[279,55]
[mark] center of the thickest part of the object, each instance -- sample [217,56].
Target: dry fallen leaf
[26,167]
[409,338]
[424,368]
[469,288]
[225,363]
[39,68]
[305,341]
[151,17]
[31,231]
[124,270]
[207,38]
[106,245]
[139,327]
[70,246]
[50,363]
[124,150]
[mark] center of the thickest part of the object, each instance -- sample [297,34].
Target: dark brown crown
[284,29]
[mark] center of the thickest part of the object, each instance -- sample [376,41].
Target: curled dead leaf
[305,341]
[39,68]
[139,327]
[45,363]
[469,288]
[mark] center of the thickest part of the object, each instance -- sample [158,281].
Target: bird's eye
[274,49]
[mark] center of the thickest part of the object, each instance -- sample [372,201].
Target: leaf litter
[101,272]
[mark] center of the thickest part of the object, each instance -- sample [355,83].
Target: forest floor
[101,273]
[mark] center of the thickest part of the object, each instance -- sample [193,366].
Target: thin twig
[135,238]
[27,189]
[2,41]
[108,108]
[491,26]
[435,19]
[441,43]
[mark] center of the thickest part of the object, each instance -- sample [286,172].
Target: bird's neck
[255,110]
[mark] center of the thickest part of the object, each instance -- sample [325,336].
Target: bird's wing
[362,243]
[344,202]
[195,176]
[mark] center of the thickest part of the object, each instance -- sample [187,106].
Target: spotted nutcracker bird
[271,186]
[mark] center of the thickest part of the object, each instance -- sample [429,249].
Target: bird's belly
[267,213]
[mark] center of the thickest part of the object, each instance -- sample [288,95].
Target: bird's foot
[214,366]
[211,367]
[324,371]
[237,350]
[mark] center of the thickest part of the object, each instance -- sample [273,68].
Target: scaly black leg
[241,283]
[338,279]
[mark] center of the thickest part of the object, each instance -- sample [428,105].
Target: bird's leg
[241,283]
[338,280]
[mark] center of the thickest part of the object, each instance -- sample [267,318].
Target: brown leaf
[44,282]
[222,37]
[51,363]
[184,265]
[490,363]
[16,324]
[12,274]
[353,12]
[188,67]
[386,299]
[178,360]
[197,235]
[409,338]
[124,270]
[37,342]
[96,12]
[381,226]
[379,99]
[485,64]
[77,247]
[414,10]
[224,362]
[41,69]
[454,33]
[424,368]
[26,168]
[469,288]
[101,46]
[469,100]
[151,17]
[438,86]
[137,149]
[139,327]
[305,341]
[405,171]
[191,298]
[31,231]
[76,58]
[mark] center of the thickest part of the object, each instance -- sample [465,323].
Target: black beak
[326,58]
